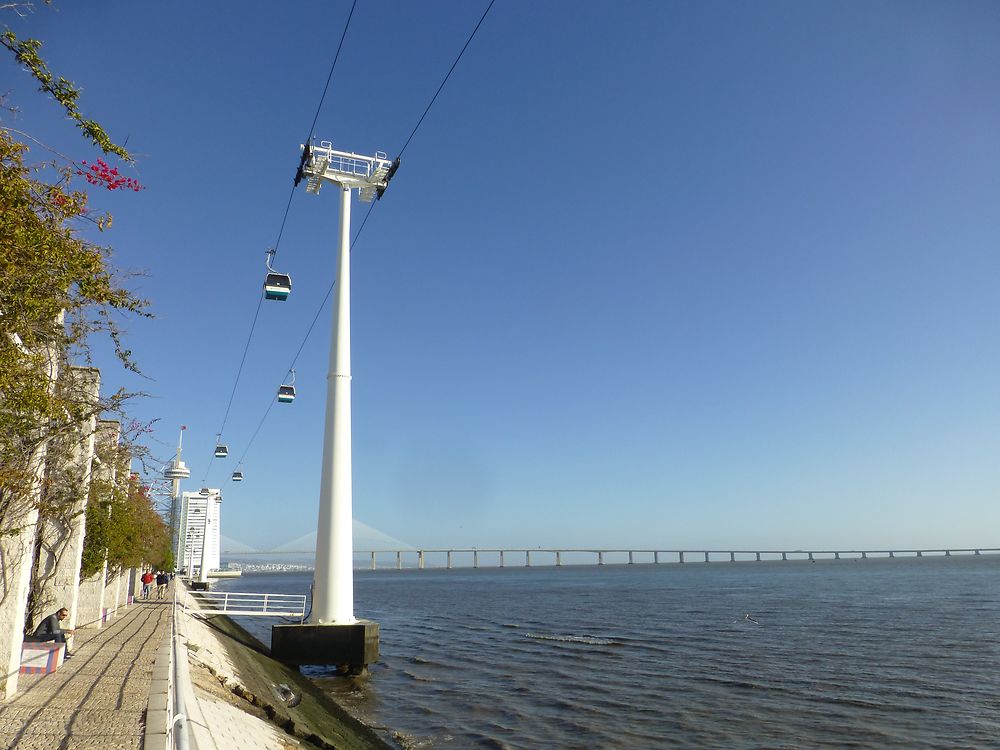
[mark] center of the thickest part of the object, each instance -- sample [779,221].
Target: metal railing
[350,165]
[347,162]
[247,604]
[179,730]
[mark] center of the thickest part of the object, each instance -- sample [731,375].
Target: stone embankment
[228,665]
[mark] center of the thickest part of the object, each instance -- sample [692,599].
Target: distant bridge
[521,557]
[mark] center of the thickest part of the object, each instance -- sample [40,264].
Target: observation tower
[175,471]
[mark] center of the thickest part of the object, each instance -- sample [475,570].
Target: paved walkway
[96,700]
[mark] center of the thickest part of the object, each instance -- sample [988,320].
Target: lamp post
[333,635]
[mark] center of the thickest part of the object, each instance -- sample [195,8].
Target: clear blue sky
[651,274]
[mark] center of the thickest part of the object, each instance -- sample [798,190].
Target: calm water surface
[847,654]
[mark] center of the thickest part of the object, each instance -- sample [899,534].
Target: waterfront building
[199,531]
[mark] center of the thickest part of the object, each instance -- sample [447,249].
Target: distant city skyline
[650,275]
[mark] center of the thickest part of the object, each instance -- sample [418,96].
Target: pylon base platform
[350,647]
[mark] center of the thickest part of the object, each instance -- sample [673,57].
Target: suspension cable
[452,68]
[329,291]
[274,250]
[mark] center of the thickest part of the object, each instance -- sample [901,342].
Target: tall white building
[200,523]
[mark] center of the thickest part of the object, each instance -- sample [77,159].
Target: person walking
[161,584]
[147,583]
[50,629]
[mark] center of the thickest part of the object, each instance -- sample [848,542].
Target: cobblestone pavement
[96,700]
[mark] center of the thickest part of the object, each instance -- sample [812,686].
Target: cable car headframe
[277,286]
[369,174]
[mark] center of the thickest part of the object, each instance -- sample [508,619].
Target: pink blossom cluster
[101,174]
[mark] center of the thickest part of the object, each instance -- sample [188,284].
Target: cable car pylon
[333,635]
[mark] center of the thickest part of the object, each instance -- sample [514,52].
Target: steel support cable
[284,219]
[336,57]
[281,231]
[312,127]
[450,70]
[305,338]
[410,138]
[254,436]
[372,206]
[232,394]
[329,291]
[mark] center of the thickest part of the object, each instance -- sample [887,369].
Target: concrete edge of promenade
[275,700]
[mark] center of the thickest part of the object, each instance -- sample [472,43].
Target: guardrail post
[680,557]
[265,602]
[656,558]
[475,558]
[920,553]
[631,560]
[449,559]
[947,553]
[501,558]
[758,557]
[373,561]
[559,558]
[706,558]
[864,555]
[399,560]
[527,558]
[420,559]
[784,555]
[600,558]
[732,557]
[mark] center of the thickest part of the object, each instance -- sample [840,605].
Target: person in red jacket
[147,583]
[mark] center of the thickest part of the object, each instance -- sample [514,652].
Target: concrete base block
[347,646]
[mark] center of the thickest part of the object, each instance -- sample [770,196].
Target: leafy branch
[63,91]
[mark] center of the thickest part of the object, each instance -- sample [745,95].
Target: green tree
[123,525]
[58,290]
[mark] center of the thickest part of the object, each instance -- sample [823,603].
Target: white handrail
[181,675]
[247,604]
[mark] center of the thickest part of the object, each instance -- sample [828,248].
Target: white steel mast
[333,584]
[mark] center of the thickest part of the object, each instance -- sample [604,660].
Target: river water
[878,653]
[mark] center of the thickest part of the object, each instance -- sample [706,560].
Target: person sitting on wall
[50,629]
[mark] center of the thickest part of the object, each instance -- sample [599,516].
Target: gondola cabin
[237,476]
[286,394]
[221,451]
[277,286]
